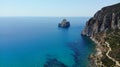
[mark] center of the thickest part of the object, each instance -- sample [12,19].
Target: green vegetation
[107,62]
[112,9]
[114,39]
[115,54]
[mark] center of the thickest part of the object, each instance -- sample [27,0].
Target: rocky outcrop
[100,29]
[108,18]
[64,24]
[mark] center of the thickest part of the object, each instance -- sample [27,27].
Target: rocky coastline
[95,58]
[104,27]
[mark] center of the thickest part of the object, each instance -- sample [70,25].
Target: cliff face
[104,27]
[108,18]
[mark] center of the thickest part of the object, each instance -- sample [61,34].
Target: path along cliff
[107,54]
[103,27]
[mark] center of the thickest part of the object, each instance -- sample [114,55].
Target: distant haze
[52,8]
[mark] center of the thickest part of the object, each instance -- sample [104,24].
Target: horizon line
[45,16]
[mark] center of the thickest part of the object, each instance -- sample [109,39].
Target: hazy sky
[52,7]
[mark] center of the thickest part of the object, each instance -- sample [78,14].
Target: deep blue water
[30,41]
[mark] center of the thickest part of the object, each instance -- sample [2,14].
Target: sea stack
[64,24]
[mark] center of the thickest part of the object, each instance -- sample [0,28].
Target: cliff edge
[103,27]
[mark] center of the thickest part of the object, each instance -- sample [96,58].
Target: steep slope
[105,27]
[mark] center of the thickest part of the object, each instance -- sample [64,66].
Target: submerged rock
[54,63]
[64,24]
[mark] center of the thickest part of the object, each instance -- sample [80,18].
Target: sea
[35,41]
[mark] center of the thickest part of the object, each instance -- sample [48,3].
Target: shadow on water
[81,51]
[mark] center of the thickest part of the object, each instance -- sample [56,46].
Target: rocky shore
[104,27]
[95,58]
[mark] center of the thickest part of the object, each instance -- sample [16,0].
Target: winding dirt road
[107,54]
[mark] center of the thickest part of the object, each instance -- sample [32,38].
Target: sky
[53,8]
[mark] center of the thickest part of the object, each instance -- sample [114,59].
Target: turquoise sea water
[30,41]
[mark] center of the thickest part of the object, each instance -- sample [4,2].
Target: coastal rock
[108,18]
[64,24]
[103,27]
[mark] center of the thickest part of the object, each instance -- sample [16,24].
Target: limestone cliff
[105,19]
[105,26]
[108,18]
